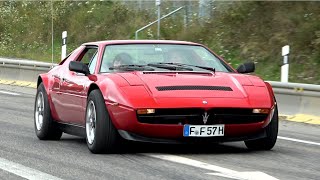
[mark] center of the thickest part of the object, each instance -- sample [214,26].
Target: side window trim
[85,50]
[102,56]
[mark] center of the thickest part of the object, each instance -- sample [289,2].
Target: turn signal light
[261,111]
[146,111]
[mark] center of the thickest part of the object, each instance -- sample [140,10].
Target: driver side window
[89,57]
[93,63]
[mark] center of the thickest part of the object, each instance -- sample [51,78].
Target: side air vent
[209,88]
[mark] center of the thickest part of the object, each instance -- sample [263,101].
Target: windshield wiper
[132,67]
[170,66]
[201,67]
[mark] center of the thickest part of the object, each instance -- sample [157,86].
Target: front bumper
[189,140]
[126,121]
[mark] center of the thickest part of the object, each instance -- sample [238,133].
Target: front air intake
[182,88]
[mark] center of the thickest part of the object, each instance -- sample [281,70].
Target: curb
[18,83]
[301,118]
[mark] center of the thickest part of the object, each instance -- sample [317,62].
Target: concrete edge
[18,83]
[301,118]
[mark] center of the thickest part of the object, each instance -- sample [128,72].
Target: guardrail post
[285,66]
[64,45]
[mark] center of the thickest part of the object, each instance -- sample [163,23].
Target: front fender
[272,96]
[43,78]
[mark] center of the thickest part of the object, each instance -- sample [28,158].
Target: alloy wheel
[39,113]
[91,122]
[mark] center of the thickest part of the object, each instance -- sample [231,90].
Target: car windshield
[160,57]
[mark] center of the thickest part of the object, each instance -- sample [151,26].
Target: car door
[57,108]
[73,88]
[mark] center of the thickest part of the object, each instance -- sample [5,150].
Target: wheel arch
[51,131]
[92,87]
[39,81]
[43,78]
[272,95]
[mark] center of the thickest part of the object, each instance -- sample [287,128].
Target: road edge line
[24,171]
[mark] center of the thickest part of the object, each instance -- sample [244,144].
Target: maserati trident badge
[205,117]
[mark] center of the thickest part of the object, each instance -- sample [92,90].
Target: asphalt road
[22,155]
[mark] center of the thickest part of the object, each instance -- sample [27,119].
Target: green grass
[237,31]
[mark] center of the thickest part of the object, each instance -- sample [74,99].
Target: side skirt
[72,129]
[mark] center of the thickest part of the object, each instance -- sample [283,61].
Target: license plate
[203,130]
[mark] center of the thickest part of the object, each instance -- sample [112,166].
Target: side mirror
[79,67]
[247,67]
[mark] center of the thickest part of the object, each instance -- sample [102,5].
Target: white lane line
[222,175]
[24,171]
[221,171]
[11,93]
[299,140]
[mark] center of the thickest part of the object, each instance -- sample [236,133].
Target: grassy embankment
[237,31]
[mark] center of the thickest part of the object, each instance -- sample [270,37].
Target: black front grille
[194,116]
[236,116]
[209,88]
[173,116]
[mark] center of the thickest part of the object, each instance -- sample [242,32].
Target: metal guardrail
[278,87]
[25,64]
[295,88]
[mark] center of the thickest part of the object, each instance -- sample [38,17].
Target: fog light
[146,111]
[262,111]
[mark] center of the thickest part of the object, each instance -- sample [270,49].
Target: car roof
[111,42]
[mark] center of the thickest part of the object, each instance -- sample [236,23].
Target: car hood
[193,84]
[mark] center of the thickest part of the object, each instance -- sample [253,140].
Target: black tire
[49,129]
[106,137]
[269,141]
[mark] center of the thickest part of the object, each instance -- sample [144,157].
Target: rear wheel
[269,141]
[45,127]
[101,135]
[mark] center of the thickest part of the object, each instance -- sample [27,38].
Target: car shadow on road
[129,147]
[222,148]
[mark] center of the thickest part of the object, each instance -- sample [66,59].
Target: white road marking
[24,171]
[245,175]
[222,175]
[11,93]
[221,171]
[299,140]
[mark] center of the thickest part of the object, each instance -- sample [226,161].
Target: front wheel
[269,141]
[45,127]
[101,135]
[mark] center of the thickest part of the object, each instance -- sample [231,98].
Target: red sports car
[154,91]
